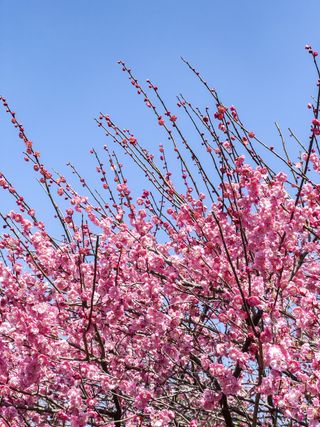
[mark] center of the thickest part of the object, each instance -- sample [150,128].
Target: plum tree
[195,304]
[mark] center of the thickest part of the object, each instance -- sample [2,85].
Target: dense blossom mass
[195,305]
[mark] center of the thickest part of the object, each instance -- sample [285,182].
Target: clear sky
[58,68]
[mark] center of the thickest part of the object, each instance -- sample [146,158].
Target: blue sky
[58,69]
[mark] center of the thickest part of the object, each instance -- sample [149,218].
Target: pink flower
[210,399]
[276,358]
